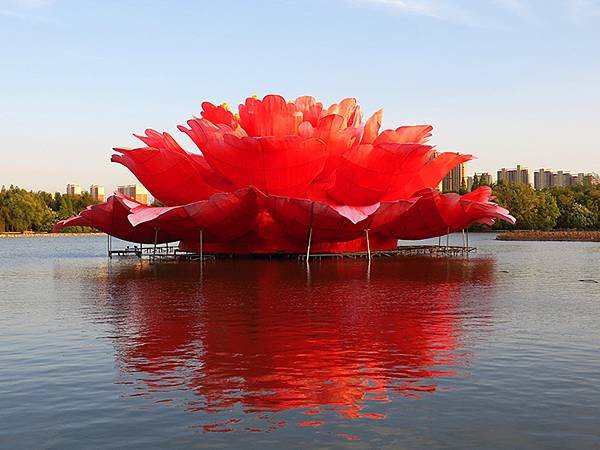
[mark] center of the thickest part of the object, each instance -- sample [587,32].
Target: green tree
[591,200]
[64,207]
[56,204]
[82,201]
[46,198]
[24,210]
[546,212]
[532,209]
[576,216]
[579,206]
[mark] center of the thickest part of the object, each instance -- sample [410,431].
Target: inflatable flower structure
[279,174]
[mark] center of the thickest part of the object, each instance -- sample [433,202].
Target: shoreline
[511,235]
[35,235]
[557,236]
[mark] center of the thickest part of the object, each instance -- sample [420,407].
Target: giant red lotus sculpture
[282,173]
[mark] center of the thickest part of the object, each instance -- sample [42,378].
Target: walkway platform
[413,250]
[171,253]
[159,253]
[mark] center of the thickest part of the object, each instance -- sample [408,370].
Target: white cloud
[24,4]
[583,9]
[15,7]
[426,8]
[495,14]
[450,10]
[521,8]
[471,10]
[518,7]
[22,9]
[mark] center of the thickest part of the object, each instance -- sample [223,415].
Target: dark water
[500,350]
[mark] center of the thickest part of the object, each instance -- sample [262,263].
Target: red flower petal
[111,217]
[348,109]
[416,176]
[222,217]
[416,134]
[296,216]
[338,138]
[436,214]
[283,165]
[271,116]
[372,127]
[171,174]
[218,115]
[368,174]
[310,108]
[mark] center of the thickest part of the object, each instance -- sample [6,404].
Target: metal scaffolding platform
[171,253]
[429,250]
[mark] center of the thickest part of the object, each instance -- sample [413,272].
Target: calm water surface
[500,350]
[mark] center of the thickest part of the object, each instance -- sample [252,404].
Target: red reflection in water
[269,337]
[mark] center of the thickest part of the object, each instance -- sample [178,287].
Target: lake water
[500,350]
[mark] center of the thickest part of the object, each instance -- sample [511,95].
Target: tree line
[560,208]
[573,207]
[556,208]
[23,210]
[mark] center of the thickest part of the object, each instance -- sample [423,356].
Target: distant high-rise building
[562,179]
[590,179]
[545,178]
[585,179]
[97,192]
[469,183]
[73,189]
[135,191]
[520,175]
[580,179]
[456,179]
[542,179]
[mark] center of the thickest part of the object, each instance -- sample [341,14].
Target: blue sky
[511,81]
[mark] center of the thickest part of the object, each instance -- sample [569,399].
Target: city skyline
[488,75]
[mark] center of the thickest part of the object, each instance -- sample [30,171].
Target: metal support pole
[448,238]
[108,245]
[439,241]
[155,239]
[463,238]
[141,250]
[201,249]
[368,244]
[312,209]
[467,238]
[308,246]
